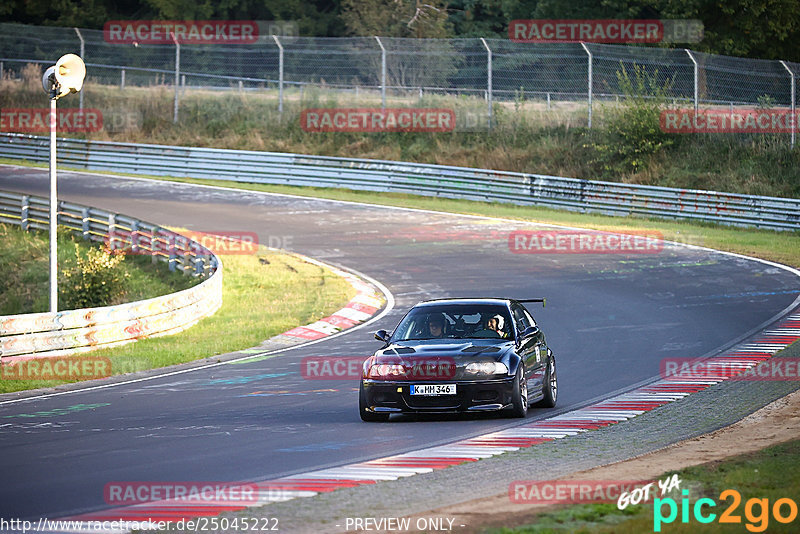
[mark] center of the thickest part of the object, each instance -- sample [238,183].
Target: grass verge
[772,473]
[24,260]
[527,136]
[263,295]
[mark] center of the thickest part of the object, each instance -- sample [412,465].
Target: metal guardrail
[421,179]
[74,331]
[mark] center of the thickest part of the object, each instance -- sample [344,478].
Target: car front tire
[519,395]
[550,389]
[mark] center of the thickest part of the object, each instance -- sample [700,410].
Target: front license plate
[433,389]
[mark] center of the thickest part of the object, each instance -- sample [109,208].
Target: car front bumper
[471,396]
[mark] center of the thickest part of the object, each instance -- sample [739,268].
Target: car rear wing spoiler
[542,300]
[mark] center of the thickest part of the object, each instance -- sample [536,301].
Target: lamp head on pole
[65,77]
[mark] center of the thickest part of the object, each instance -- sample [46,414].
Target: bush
[96,280]
[633,132]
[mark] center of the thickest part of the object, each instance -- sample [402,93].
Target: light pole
[63,78]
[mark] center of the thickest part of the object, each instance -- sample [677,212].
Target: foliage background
[765,29]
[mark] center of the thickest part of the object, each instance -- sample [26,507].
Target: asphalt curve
[610,319]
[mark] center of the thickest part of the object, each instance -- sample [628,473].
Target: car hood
[447,347]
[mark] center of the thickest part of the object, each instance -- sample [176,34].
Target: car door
[532,349]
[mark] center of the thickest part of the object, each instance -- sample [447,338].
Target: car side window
[520,320]
[530,318]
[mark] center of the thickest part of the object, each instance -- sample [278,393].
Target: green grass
[24,285]
[264,294]
[772,473]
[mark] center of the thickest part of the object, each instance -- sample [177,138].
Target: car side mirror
[382,335]
[529,332]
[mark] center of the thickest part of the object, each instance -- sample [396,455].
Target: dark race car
[460,355]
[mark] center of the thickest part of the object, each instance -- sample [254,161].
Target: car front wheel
[519,395]
[550,388]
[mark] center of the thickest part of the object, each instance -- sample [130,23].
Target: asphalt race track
[610,320]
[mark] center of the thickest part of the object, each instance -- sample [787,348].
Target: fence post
[83,57]
[122,79]
[488,78]
[696,81]
[383,73]
[793,119]
[23,219]
[280,74]
[590,76]
[177,77]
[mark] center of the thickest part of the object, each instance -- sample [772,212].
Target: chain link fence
[571,75]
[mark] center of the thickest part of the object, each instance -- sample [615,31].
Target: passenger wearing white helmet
[496,324]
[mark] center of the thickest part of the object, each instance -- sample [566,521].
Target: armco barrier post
[135,237]
[25,205]
[173,257]
[153,245]
[111,231]
[85,224]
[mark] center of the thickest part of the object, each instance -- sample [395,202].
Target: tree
[396,18]
[488,18]
[767,29]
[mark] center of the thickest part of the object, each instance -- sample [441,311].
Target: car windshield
[475,321]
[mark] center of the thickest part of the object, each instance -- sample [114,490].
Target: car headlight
[487,368]
[386,371]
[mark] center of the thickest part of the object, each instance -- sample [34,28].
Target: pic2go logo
[756,511]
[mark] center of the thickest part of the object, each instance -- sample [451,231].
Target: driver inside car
[436,325]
